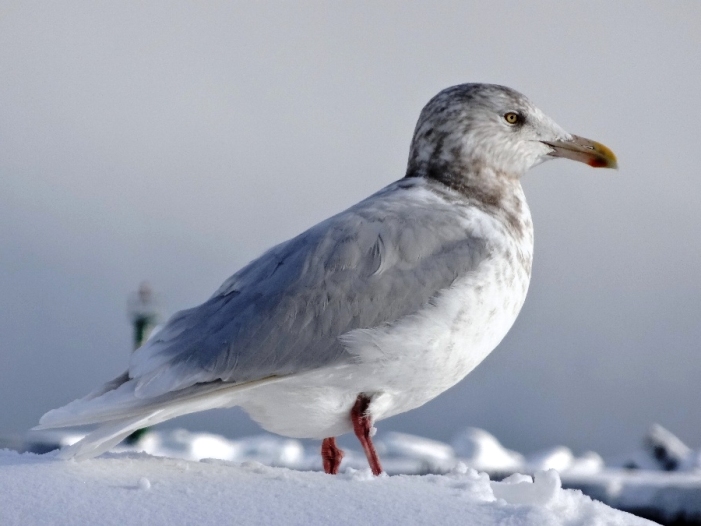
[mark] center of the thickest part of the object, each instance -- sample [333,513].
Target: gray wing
[283,313]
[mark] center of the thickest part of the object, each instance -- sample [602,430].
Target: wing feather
[284,312]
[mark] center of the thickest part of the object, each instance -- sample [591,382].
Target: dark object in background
[143,312]
[670,453]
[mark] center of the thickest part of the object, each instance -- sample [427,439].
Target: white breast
[411,361]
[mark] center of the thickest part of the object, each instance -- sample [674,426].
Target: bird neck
[491,191]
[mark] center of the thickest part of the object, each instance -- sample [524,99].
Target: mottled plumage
[388,303]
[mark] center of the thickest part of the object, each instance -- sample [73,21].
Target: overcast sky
[175,142]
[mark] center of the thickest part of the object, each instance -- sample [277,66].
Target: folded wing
[283,313]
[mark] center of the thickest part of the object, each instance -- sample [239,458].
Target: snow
[483,451]
[674,498]
[661,450]
[179,477]
[136,488]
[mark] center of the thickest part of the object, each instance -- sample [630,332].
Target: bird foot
[331,455]
[362,426]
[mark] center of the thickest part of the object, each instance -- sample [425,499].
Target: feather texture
[283,313]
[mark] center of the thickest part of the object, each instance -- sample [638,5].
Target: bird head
[470,129]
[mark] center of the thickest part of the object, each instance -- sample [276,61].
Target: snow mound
[180,443]
[482,450]
[131,488]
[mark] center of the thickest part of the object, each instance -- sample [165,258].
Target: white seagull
[370,313]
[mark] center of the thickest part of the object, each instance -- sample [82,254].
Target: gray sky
[175,142]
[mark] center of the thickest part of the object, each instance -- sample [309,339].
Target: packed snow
[137,488]
[207,478]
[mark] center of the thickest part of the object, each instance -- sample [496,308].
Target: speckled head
[485,129]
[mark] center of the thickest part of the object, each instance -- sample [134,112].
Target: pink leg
[362,426]
[331,455]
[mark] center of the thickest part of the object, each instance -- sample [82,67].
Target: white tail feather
[122,414]
[103,438]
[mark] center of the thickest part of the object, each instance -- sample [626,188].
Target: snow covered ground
[133,488]
[209,479]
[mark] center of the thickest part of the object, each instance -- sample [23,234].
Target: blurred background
[175,141]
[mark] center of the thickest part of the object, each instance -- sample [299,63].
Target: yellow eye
[512,117]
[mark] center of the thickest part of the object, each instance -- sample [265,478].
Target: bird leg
[362,425]
[331,455]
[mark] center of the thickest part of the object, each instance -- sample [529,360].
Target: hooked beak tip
[584,150]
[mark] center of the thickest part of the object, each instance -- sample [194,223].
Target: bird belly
[402,365]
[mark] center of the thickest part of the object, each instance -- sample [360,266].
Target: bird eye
[512,117]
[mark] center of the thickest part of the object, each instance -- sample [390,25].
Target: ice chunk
[661,451]
[589,463]
[481,450]
[668,451]
[413,446]
[518,489]
[559,458]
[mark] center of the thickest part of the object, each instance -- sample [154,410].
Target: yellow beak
[585,151]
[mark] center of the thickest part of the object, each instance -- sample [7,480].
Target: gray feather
[284,312]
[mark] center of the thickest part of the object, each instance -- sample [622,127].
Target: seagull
[368,314]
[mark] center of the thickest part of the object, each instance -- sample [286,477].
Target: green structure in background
[143,313]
